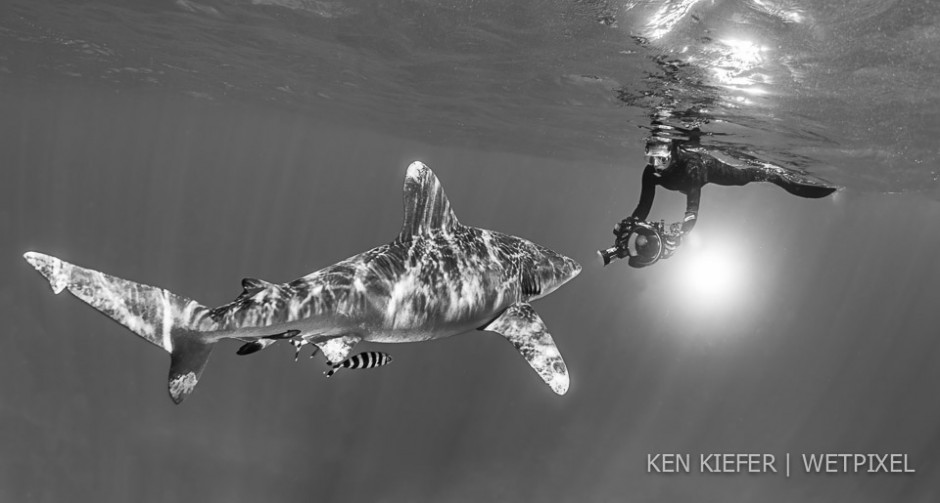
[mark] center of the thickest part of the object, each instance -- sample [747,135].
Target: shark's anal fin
[426,206]
[337,349]
[521,325]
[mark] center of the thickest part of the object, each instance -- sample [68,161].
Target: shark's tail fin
[160,317]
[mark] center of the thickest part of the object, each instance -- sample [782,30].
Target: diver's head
[658,153]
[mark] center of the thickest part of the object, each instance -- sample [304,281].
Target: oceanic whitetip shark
[436,279]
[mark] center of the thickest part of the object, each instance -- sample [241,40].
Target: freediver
[687,170]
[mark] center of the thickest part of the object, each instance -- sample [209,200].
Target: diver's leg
[720,173]
[792,182]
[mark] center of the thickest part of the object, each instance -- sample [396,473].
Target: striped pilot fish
[366,360]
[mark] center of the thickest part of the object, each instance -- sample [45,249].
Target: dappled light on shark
[438,278]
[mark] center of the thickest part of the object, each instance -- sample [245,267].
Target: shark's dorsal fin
[426,206]
[521,325]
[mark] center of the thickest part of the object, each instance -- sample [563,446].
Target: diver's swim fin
[801,184]
[808,191]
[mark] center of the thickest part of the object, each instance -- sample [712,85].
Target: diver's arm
[691,209]
[647,192]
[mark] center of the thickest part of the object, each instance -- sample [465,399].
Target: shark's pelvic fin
[426,206]
[527,332]
[162,318]
[263,343]
[337,349]
[254,346]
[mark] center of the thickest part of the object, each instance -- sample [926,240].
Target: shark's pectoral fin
[521,325]
[337,349]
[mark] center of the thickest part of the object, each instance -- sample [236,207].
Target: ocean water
[188,144]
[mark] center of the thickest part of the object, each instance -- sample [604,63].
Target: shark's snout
[574,268]
[566,268]
[554,270]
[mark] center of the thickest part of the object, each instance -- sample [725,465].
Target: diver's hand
[673,237]
[625,226]
[675,229]
[622,243]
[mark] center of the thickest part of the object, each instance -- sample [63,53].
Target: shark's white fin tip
[560,383]
[55,270]
[187,361]
[415,168]
[181,386]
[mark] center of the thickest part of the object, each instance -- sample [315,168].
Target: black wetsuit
[690,170]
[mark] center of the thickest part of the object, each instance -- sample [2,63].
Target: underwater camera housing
[642,240]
